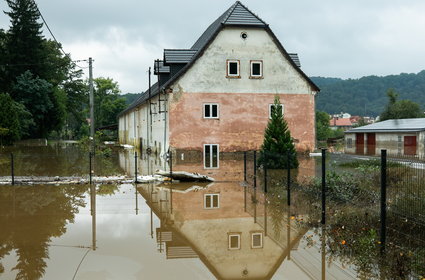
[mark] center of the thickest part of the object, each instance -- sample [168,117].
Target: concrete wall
[244,102]
[135,127]
[243,119]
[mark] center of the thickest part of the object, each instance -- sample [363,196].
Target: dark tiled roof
[295,59]
[160,65]
[179,56]
[240,15]
[400,125]
[236,15]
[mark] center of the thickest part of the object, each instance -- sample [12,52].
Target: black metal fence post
[265,173]
[12,168]
[171,164]
[383,199]
[255,169]
[90,167]
[244,166]
[323,186]
[288,187]
[135,167]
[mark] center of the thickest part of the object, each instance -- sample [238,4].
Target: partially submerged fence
[380,199]
[17,167]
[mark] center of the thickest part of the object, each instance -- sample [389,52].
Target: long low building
[398,137]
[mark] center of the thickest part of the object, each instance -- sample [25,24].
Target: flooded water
[219,230]
[57,159]
[148,232]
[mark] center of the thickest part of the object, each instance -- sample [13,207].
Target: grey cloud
[333,37]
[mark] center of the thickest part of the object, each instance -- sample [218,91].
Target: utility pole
[150,110]
[91,102]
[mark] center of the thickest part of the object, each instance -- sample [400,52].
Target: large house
[217,96]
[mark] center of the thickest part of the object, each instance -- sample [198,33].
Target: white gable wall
[206,75]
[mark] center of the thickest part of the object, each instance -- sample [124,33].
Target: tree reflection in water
[31,216]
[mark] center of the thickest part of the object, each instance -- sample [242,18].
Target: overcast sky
[334,38]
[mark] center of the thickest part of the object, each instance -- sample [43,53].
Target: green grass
[368,163]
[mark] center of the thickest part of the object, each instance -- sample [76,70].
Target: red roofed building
[343,123]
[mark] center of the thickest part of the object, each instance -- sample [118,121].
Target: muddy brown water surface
[148,232]
[220,230]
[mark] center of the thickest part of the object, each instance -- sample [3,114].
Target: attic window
[256,69]
[233,69]
[257,240]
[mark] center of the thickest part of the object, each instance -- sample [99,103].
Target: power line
[43,63]
[54,38]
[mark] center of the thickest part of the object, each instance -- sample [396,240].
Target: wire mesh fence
[355,207]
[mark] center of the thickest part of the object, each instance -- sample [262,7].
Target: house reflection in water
[231,165]
[210,222]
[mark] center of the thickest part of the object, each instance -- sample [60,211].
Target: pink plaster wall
[243,118]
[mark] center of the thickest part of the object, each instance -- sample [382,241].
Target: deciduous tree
[323,130]
[400,109]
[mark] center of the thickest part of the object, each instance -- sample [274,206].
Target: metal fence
[358,198]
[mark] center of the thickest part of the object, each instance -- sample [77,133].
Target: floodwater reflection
[30,218]
[57,159]
[199,231]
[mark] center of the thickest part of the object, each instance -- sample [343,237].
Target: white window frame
[211,157]
[252,240]
[211,195]
[211,105]
[252,62]
[270,109]
[229,235]
[237,75]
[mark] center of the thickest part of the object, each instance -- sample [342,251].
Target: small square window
[233,69]
[257,240]
[272,107]
[211,111]
[234,241]
[256,69]
[212,201]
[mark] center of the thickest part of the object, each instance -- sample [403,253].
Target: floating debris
[184,176]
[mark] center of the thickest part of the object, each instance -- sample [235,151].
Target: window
[211,155]
[233,69]
[211,111]
[257,240]
[211,201]
[256,69]
[272,107]
[349,143]
[234,241]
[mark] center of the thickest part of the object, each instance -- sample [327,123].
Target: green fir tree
[277,141]
[26,50]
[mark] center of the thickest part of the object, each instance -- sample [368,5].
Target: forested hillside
[130,97]
[367,96]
